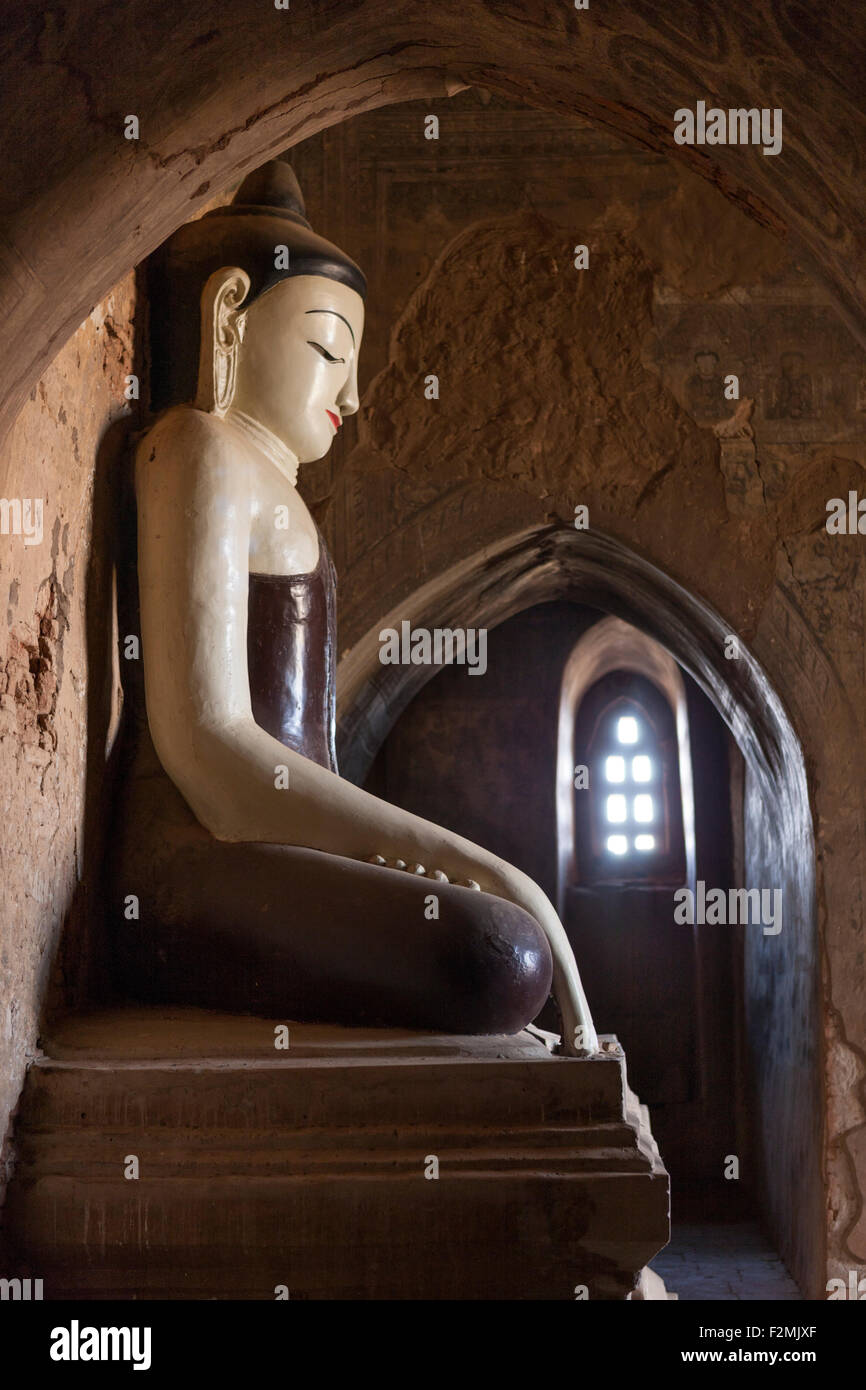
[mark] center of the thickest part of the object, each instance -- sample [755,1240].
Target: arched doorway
[780,997]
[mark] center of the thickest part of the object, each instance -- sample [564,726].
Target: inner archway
[592,570]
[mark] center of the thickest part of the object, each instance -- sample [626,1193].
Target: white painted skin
[208,480]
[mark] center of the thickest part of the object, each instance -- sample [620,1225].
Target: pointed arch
[783,972]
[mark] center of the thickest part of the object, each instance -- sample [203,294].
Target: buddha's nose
[347,400]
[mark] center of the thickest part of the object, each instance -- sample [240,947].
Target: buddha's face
[297,369]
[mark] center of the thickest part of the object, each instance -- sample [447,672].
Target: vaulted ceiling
[217,89]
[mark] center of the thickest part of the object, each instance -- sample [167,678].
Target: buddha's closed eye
[324,352]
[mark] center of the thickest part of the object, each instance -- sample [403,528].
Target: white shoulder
[187,441]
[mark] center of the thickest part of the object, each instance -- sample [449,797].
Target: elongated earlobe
[222,332]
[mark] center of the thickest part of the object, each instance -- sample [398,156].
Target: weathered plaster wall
[63,449]
[811,639]
[782,987]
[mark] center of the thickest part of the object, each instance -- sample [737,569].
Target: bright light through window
[630,821]
[628,803]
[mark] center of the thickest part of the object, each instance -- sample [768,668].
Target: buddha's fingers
[418,870]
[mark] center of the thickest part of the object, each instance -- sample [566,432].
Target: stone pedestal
[314,1168]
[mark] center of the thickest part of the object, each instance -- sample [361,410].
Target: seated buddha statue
[263,882]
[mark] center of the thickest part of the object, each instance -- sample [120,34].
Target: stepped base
[311,1172]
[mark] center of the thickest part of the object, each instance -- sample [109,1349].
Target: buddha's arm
[193,505]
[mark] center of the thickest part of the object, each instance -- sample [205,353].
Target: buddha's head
[279,314]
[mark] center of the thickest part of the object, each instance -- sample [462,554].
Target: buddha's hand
[438,875]
[578,1036]
[503,880]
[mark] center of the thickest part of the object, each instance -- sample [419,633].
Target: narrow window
[629,826]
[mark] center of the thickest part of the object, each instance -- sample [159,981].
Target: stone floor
[723,1261]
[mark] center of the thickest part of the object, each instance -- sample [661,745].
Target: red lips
[334,419]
